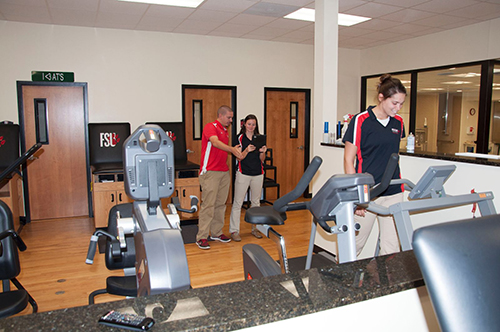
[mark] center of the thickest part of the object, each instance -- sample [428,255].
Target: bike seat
[264,215]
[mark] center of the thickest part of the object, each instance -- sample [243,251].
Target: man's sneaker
[221,238]
[203,244]
[235,236]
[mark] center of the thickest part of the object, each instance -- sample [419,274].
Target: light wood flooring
[55,273]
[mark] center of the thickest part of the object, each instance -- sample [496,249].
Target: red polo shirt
[212,158]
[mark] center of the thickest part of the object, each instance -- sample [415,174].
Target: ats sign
[51,76]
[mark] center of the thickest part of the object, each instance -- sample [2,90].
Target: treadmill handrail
[379,188]
[280,204]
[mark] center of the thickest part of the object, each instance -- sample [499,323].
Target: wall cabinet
[109,191]
[105,195]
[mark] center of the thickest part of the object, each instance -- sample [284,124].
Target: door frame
[307,119]
[232,89]
[20,105]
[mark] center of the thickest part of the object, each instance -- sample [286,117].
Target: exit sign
[52,76]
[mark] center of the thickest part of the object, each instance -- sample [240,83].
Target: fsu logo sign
[108,140]
[2,141]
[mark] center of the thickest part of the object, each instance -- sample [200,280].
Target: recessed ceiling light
[348,20]
[431,89]
[466,75]
[456,82]
[303,14]
[308,14]
[178,3]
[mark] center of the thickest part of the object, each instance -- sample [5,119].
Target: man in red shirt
[214,177]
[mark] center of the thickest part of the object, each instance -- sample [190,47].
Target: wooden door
[56,182]
[205,101]
[288,135]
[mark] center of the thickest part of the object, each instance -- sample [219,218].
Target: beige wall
[136,76]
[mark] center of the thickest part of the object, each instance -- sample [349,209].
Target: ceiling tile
[443,6]
[373,10]
[481,9]
[438,21]
[251,19]
[238,29]
[211,15]
[285,23]
[270,9]
[169,11]
[122,7]
[401,3]
[89,5]
[235,6]
[407,15]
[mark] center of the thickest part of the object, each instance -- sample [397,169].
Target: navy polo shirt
[375,145]
[251,165]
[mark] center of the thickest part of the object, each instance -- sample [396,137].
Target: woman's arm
[350,151]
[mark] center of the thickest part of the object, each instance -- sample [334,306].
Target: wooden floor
[55,273]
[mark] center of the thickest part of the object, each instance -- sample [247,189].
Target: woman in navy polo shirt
[371,138]
[249,174]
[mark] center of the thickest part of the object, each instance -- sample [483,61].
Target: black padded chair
[105,146]
[459,263]
[177,133]
[11,301]
[119,285]
[9,140]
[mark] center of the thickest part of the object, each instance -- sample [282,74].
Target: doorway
[57,181]
[287,114]
[199,107]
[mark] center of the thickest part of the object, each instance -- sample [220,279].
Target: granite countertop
[438,155]
[244,304]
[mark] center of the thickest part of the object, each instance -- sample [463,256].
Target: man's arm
[235,150]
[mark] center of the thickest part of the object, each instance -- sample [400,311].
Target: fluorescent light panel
[177,3]
[308,14]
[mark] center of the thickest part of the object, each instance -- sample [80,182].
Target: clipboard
[259,141]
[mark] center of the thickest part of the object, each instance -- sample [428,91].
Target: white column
[326,37]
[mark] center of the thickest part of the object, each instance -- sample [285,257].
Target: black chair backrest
[106,142]
[10,266]
[9,144]
[127,258]
[177,133]
[459,263]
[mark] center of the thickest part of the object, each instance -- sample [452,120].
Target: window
[494,141]
[449,109]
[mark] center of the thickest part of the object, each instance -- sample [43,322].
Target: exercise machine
[12,301]
[160,257]
[257,263]
[335,202]
[429,194]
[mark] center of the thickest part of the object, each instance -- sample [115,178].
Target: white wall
[470,43]
[136,76]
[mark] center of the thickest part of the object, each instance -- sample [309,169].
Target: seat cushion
[12,302]
[124,286]
[264,215]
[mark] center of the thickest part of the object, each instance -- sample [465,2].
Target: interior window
[446,110]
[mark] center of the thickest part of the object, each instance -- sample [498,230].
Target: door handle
[300,147]
[190,151]
[112,198]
